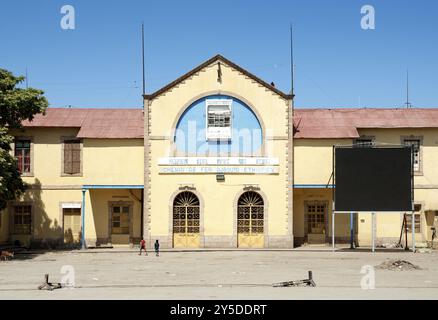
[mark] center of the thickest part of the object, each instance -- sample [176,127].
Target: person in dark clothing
[143,247]
[157,248]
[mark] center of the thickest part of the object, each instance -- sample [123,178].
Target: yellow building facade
[216,159]
[238,179]
[50,212]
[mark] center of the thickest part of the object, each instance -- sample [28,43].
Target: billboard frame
[374,212]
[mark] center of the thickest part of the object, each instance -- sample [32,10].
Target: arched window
[186,213]
[218,125]
[250,214]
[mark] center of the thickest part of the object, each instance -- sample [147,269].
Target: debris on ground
[297,283]
[397,265]
[391,245]
[48,285]
[424,250]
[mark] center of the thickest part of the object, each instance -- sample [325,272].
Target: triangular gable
[208,63]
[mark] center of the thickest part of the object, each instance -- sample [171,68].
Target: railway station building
[218,158]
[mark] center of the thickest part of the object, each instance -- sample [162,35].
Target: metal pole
[142,214]
[413,231]
[292,76]
[333,229]
[405,231]
[373,225]
[351,230]
[412,200]
[333,197]
[142,56]
[83,245]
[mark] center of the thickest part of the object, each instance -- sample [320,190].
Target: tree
[16,105]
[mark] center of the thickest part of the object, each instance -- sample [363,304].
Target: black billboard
[373,179]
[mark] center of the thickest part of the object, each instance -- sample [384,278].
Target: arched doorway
[250,220]
[186,218]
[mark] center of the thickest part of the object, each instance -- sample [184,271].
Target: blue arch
[190,134]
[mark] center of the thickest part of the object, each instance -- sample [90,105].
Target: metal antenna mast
[408,104]
[142,53]
[292,60]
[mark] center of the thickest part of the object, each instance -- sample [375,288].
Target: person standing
[143,247]
[157,248]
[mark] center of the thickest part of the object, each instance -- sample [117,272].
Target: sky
[337,62]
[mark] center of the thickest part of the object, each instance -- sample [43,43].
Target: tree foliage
[16,105]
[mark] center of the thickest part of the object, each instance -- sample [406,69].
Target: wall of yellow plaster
[429,149]
[342,221]
[105,161]
[47,213]
[97,212]
[47,152]
[313,165]
[218,197]
[113,161]
[313,160]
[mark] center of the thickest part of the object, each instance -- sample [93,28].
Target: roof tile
[94,123]
[343,123]
[308,123]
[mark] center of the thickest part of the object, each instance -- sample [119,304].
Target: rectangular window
[416,143]
[316,218]
[219,119]
[417,222]
[72,157]
[22,154]
[364,143]
[120,220]
[22,219]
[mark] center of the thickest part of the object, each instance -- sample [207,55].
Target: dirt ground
[123,274]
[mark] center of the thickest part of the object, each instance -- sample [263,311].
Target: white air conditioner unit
[218,119]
